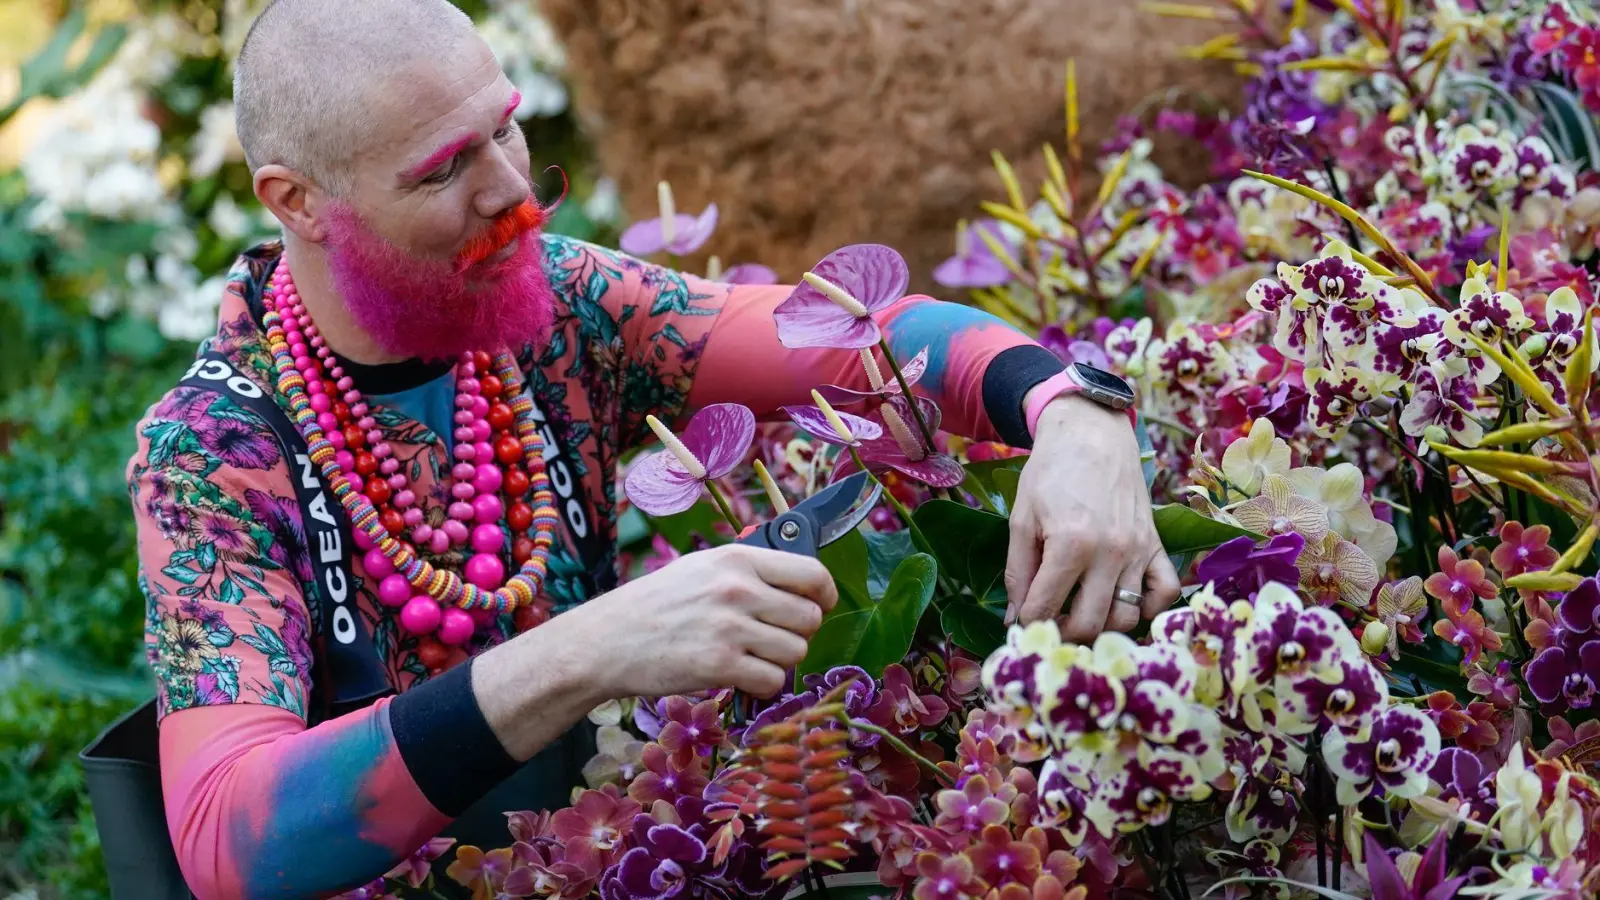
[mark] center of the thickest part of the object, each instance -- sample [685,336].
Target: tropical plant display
[1365,356]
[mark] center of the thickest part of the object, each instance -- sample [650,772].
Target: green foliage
[869,631]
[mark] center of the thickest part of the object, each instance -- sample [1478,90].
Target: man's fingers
[1022,562]
[1161,584]
[758,677]
[784,649]
[791,612]
[1124,615]
[794,573]
[1093,604]
[1059,569]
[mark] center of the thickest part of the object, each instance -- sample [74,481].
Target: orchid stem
[722,506]
[905,389]
[897,744]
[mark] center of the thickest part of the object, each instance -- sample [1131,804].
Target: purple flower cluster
[1564,674]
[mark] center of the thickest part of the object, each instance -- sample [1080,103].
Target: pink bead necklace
[337,423]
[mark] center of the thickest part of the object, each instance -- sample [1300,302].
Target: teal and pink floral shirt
[263,799]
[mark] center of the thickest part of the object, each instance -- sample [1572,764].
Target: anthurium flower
[677,233]
[713,445]
[833,306]
[974,265]
[830,426]
[898,446]
[881,387]
[1342,492]
[1253,457]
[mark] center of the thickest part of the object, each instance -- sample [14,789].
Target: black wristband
[1006,382]
[448,747]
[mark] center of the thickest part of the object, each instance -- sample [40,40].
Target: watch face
[1103,382]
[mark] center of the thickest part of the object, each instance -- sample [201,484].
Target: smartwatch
[1105,388]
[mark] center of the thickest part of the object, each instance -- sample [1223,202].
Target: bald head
[315,76]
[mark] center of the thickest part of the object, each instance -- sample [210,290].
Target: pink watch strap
[1058,385]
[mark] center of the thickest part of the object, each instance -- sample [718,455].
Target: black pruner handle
[792,532]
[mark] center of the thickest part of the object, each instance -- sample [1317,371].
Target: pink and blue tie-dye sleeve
[260,806]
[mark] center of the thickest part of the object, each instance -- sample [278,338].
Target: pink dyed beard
[418,307]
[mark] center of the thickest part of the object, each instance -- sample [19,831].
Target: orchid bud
[713,269]
[1435,434]
[1535,346]
[837,294]
[870,363]
[1375,638]
[668,212]
[909,445]
[779,504]
[670,440]
[839,428]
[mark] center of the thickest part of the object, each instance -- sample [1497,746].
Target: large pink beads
[486,571]
[421,615]
[456,626]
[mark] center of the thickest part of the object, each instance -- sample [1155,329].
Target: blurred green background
[123,199]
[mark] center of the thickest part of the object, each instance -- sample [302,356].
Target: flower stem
[722,507]
[905,389]
[897,744]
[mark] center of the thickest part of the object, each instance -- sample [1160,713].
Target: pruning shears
[820,520]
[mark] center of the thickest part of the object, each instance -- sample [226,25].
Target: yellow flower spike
[1185,11]
[870,363]
[1074,151]
[1355,12]
[997,304]
[690,464]
[1297,17]
[1516,368]
[1113,178]
[1059,203]
[1001,253]
[1011,216]
[1328,64]
[1052,164]
[1544,581]
[1439,50]
[1580,369]
[1579,551]
[1009,177]
[1526,432]
[668,212]
[1362,223]
[1489,460]
[839,428]
[1124,225]
[1149,253]
[1372,265]
[837,294]
[1505,248]
[779,504]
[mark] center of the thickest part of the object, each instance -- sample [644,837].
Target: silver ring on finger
[1129,597]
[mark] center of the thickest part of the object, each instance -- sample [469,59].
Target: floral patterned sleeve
[679,342]
[222,567]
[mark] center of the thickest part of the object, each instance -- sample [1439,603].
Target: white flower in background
[217,141]
[603,204]
[96,153]
[532,58]
[153,48]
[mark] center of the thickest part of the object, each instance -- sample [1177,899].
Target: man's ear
[289,196]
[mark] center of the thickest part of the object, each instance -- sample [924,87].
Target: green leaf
[206,556]
[885,551]
[846,559]
[632,528]
[975,627]
[980,480]
[681,529]
[181,573]
[874,634]
[1005,481]
[970,545]
[231,593]
[1183,530]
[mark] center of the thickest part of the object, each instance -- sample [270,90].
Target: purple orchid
[1428,882]
[1565,674]
[1238,569]
[899,447]
[675,860]
[833,307]
[1462,776]
[974,265]
[713,445]
[1070,350]
[415,868]
[837,395]
[1394,760]
[677,233]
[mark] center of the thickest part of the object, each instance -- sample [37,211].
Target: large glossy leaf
[885,551]
[981,481]
[873,634]
[969,544]
[977,627]
[1183,530]
[680,530]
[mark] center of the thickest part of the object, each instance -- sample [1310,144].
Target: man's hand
[731,616]
[1083,520]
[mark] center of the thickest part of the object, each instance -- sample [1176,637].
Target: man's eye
[504,133]
[443,175]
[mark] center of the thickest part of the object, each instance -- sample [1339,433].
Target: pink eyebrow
[516,98]
[437,157]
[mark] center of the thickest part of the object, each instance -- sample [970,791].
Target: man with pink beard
[447,390]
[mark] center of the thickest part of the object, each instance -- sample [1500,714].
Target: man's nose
[506,188]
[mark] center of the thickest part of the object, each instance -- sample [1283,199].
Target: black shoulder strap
[350,672]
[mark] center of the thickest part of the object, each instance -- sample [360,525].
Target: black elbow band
[1006,382]
[448,747]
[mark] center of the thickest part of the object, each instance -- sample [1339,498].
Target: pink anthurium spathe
[713,445]
[830,426]
[677,233]
[913,371]
[833,306]
[974,265]
[899,447]
[743,273]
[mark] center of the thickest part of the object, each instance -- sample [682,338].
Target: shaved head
[315,77]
